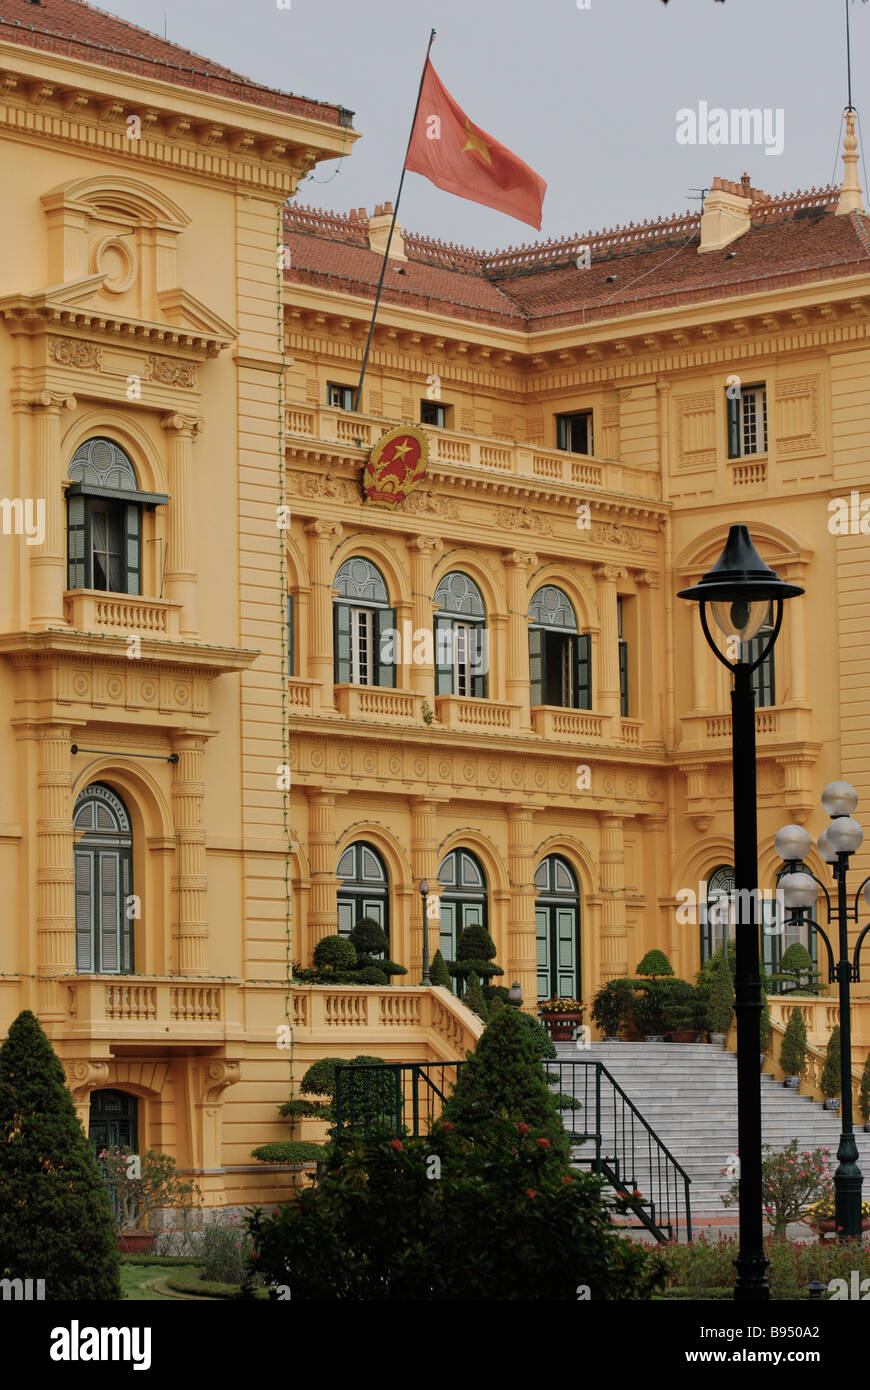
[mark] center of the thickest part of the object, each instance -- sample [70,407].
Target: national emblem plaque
[395,465]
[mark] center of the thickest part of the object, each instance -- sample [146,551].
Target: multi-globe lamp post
[739,589]
[800,889]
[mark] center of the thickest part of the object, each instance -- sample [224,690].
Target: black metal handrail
[407,1098]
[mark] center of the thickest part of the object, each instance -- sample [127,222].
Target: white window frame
[362,646]
[751,423]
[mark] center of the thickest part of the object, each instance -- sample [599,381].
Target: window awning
[119,494]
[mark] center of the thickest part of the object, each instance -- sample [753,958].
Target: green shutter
[583,667]
[108,873]
[84,911]
[733,427]
[132,537]
[385,671]
[479,645]
[291,637]
[623,677]
[537,674]
[341,640]
[76,547]
[126,922]
[443,656]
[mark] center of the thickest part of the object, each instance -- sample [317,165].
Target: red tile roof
[793,239]
[93,36]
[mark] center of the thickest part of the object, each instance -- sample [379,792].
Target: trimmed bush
[797,970]
[319,1080]
[289,1151]
[369,937]
[720,1006]
[334,953]
[830,1082]
[611,1007]
[301,1109]
[473,997]
[475,951]
[438,972]
[793,1054]
[655,963]
[56,1220]
[372,975]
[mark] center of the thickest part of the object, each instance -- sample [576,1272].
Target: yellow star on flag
[400,449]
[475,142]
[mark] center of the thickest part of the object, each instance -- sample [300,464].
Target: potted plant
[830,1082]
[654,963]
[648,1010]
[796,970]
[139,1185]
[822,1219]
[720,1004]
[560,1017]
[793,1054]
[682,1010]
[864,1095]
[610,1008]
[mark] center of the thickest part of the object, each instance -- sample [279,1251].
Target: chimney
[379,230]
[850,189]
[726,214]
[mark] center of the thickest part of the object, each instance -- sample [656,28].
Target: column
[322,857]
[424,865]
[521,962]
[608,657]
[517,564]
[55,901]
[188,792]
[180,571]
[322,536]
[614,936]
[48,560]
[422,550]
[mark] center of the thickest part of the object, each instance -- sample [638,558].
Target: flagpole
[390,237]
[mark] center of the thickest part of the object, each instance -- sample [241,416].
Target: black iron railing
[407,1097]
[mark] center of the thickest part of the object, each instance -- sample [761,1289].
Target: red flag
[456,155]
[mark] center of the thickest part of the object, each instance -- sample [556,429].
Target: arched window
[557,929]
[363,622]
[463,900]
[716,915]
[461,645]
[104,519]
[559,655]
[113,1121]
[103,882]
[364,888]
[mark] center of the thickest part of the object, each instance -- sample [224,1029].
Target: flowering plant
[561,1006]
[823,1209]
[791,1182]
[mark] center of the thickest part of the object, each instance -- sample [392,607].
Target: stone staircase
[687,1093]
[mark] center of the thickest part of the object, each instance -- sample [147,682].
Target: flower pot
[831,1103]
[561,1026]
[827,1225]
[683,1035]
[653,1037]
[792,1083]
[719,1038]
[136,1242]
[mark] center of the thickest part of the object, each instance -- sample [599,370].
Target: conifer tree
[56,1220]
[473,997]
[720,1008]
[438,972]
[830,1082]
[793,1053]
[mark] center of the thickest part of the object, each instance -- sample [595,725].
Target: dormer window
[104,519]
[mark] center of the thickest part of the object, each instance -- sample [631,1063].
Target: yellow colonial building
[242,704]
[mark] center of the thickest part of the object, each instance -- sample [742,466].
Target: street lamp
[424,893]
[739,589]
[800,888]
[515,994]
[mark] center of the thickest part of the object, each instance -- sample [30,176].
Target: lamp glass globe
[845,834]
[793,842]
[740,617]
[798,890]
[839,799]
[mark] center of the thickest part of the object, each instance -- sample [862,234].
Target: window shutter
[132,532]
[341,639]
[583,659]
[479,657]
[110,908]
[623,677]
[126,966]
[77,565]
[536,665]
[385,671]
[84,912]
[733,427]
[443,630]
[291,637]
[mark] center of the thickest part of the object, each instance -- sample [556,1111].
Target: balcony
[430,1021]
[474,451]
[554,722]
[777,723]
[375,702]
[156,1008]
[92,610]
[475,716]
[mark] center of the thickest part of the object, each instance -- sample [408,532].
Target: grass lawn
[136,1277]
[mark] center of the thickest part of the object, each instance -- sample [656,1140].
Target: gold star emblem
[401,448]
[475,142]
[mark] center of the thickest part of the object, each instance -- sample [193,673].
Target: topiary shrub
[720,1005]
[334,953]
[56,1220]
[438,972]
[372,975]
[473,997]
[830,1082]
[796,969]
[289,1151]
[319,1080]
[655,963]
[475,951]
[301,1109]
[369,937]
[793,1054]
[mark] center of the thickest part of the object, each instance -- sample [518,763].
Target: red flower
[447,1125]
[396,1144]
[542,1143]
[523,1129]
[530,1192]
[566,1179]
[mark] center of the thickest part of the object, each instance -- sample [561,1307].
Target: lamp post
[800,889]
[515,994]
[424,893]
[739,589]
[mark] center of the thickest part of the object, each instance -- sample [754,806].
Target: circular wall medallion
[395,766]
[492,772]
[468,772]
[80,685]
[608,784]
[653,789]
[369,764]
[344,761]
[114,687]
[517,776]
[630,786]
[540,779]
[444,770]
[317,758]
[563,780]
[181,693]
[115,260]
[419,768]
[148,691]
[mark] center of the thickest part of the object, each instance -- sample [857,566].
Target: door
[114,1121]
[557,930]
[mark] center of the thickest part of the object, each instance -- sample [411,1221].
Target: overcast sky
[587,97]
